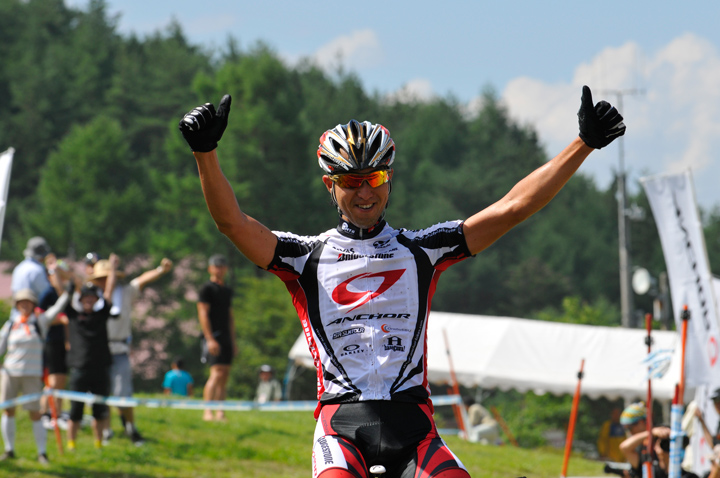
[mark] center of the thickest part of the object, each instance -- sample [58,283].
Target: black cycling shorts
[400,436]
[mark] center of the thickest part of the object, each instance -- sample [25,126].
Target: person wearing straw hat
[21,340]
[120,336]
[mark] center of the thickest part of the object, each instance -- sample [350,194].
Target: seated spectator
[483,427]
[177,381]
[268,389]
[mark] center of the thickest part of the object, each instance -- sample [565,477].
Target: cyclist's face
[361,206]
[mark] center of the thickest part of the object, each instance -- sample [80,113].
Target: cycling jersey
[363,298]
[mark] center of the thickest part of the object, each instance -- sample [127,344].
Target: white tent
[522,354]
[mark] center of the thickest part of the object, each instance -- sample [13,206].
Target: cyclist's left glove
[203,127]
[600,124]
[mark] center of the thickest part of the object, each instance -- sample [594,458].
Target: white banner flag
[6,159]
[672,199]
[702,448]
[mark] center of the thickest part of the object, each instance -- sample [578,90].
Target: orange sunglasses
[354,181]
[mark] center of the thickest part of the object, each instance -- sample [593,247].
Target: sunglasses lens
[374,179]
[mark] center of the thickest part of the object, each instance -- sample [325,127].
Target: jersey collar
[350,230]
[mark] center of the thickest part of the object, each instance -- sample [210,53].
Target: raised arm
[202,128]
[111,281]
[152,275]
[599,125]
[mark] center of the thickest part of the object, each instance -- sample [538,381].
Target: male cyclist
[362,290]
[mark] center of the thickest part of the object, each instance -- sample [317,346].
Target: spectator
[21,340]
[177,381]
[90,260]
[661,468]
[54,349]
[89,356]
[30,273]
[714,440]
[634,448]
[268,389]
[218,328]
[120,336]
[611,435]
[483,427]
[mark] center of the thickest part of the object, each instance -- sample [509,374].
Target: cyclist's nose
[365,189]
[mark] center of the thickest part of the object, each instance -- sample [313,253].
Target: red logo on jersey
[343,296]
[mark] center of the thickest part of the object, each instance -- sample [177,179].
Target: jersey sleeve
[444,243]
[291,254]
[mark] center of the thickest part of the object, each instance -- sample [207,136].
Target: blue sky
[536,55]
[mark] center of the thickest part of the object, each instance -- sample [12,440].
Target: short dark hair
[218,260]
[178,362]
[89,289]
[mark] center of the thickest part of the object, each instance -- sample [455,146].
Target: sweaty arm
[251,238]
[599,124]
[526,198]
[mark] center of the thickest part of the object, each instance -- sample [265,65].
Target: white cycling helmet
[355,146]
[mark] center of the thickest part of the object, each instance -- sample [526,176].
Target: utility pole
[627,307]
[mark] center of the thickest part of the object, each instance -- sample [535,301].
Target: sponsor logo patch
[394,343]
[347,332]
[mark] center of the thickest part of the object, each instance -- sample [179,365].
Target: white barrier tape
[20,400]
[229,405]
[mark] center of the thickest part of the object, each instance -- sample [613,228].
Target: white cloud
[673,124]
[357,50]
[418,89]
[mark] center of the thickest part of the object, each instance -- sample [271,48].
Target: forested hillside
[100,166]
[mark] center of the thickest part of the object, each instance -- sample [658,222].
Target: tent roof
[522,354]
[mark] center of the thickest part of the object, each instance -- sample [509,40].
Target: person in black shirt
[89,355]
[218,328]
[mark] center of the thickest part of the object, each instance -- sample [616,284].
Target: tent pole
[459,409]
[571,425]
[647,465]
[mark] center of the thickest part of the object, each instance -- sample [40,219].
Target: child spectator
[89,357]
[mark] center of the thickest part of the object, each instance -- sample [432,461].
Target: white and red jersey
[363,298]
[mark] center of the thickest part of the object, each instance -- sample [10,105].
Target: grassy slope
[251,444]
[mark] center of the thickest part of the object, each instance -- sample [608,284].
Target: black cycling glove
[203,127]
[600,124]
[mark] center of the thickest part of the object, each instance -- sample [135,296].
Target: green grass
[250,445]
